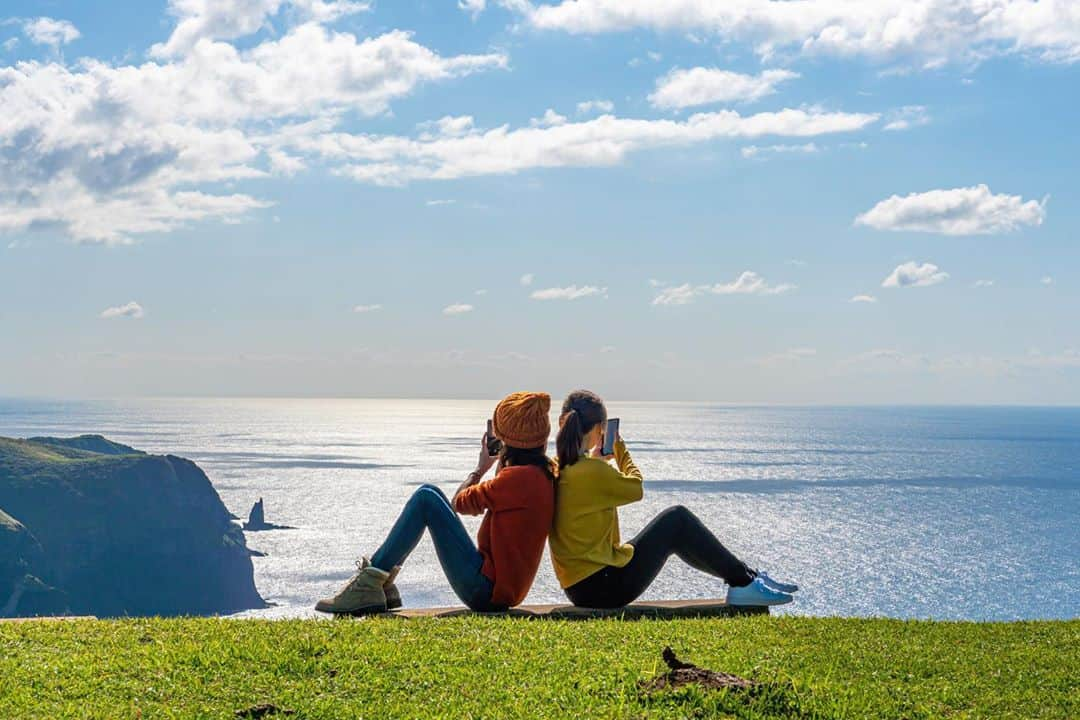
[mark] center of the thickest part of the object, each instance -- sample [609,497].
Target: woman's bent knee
[427,494]
[679,512]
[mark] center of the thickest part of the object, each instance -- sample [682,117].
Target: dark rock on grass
[116,531]
[681,674]
[261,711]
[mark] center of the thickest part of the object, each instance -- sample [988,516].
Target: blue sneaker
[756,593]
[776,584]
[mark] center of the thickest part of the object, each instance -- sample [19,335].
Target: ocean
[910,512]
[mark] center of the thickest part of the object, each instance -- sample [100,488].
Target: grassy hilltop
[498,668]
[90,526]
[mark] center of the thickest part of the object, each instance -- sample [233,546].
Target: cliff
[103,529]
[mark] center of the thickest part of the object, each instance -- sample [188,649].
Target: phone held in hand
[611,434]
[494,444]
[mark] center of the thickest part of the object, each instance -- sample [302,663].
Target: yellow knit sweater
[585,535]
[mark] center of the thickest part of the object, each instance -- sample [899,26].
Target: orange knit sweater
[520,505]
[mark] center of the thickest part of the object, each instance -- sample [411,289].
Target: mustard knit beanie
[521,420]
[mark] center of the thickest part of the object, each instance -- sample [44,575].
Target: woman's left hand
[485,461]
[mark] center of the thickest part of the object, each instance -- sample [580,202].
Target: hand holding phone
[494,444]
[611,434]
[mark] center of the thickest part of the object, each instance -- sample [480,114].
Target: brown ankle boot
[393,595]
[363,595]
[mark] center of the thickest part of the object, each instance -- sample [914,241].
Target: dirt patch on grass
[261,711]
[681,674]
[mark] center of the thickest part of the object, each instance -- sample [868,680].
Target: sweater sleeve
[473,500]
[625,462]
[496,494]
[622,486]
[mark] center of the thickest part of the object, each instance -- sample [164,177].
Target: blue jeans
[428,508]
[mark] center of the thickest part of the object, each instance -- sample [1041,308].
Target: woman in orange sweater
[517,503]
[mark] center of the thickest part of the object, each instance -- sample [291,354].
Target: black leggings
[675,531]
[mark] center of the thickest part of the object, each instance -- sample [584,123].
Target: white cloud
[282,163]
[601,141]
[107,152]
[886,360]
[892,360]
[982,284]
[678,294]
[748,283]
[367,308]
[863,299]
[209,20]
[926,33]
[911,274]
[481,292]
[592,106]
[473,7]
[447,126]
[751,151]
[47,31]
[907,117]
[789,356]
[457,309]
[436,203]
[527,279]
[607,349]
[550,118]
[704,86]
[328,11]
[131,310]
[1047,280]
[10,44]
[962,211]
[1068,358]
[572,292]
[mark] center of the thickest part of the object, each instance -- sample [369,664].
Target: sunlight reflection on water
[908,512]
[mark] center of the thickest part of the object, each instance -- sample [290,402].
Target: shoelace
[356,578]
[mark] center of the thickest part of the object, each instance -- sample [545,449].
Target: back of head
[581,412]
[522,421]
[534,457]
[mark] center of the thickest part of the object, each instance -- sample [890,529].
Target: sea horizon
[555,400]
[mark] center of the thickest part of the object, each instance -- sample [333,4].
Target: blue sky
[815,202]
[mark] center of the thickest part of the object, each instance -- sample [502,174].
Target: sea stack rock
[257,519]
[115,532]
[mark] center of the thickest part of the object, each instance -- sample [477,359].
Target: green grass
[499,668]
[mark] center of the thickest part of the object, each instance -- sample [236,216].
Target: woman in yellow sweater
[594,566]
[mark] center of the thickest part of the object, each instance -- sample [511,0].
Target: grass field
[499,668]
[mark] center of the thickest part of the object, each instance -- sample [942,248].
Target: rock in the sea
[115,532]
[257,519]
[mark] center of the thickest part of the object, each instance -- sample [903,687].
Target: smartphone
[611,434]
[494,444]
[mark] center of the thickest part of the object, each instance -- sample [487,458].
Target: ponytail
[581,412]
[568,441]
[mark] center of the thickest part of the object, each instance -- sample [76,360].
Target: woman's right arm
[625,462]
[623,486]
